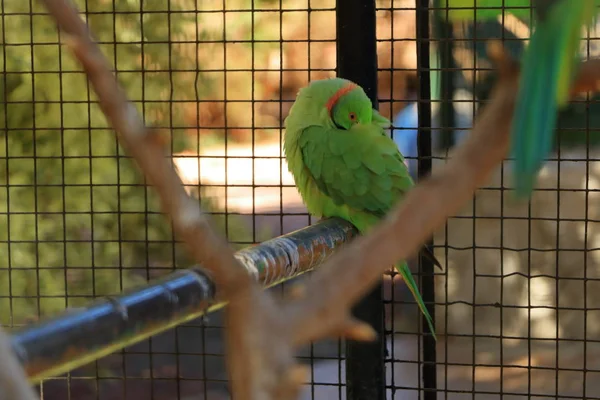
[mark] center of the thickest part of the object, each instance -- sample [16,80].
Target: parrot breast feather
[360,168]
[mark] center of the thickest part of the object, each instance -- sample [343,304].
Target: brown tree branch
[143,144]
[262,336]
[251,314]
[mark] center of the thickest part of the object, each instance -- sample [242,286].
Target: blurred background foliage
[75,216]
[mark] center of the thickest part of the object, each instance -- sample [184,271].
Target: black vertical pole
[357,61]
[443,32]
[424,151]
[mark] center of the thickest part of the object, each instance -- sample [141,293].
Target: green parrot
[548,67]
[343,163]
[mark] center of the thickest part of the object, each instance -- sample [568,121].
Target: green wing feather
[360,175]
[548,69]
[363,171]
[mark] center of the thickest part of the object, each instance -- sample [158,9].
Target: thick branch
[349,274]
[13,381]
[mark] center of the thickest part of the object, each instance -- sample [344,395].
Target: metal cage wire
[516,302]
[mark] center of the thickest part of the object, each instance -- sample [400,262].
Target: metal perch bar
[77,337]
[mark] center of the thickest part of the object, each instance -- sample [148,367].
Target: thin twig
[13,381]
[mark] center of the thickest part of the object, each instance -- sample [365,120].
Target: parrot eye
[352,116]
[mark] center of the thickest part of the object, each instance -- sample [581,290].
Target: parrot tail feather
[404,271]
[535,116]
[548,69]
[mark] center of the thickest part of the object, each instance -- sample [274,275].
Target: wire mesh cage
[520,305]
[514,308]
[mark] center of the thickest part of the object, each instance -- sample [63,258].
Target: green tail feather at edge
[534,121]
[402,268]
[549,66]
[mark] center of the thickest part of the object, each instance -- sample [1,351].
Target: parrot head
[349,106]
[331,103]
